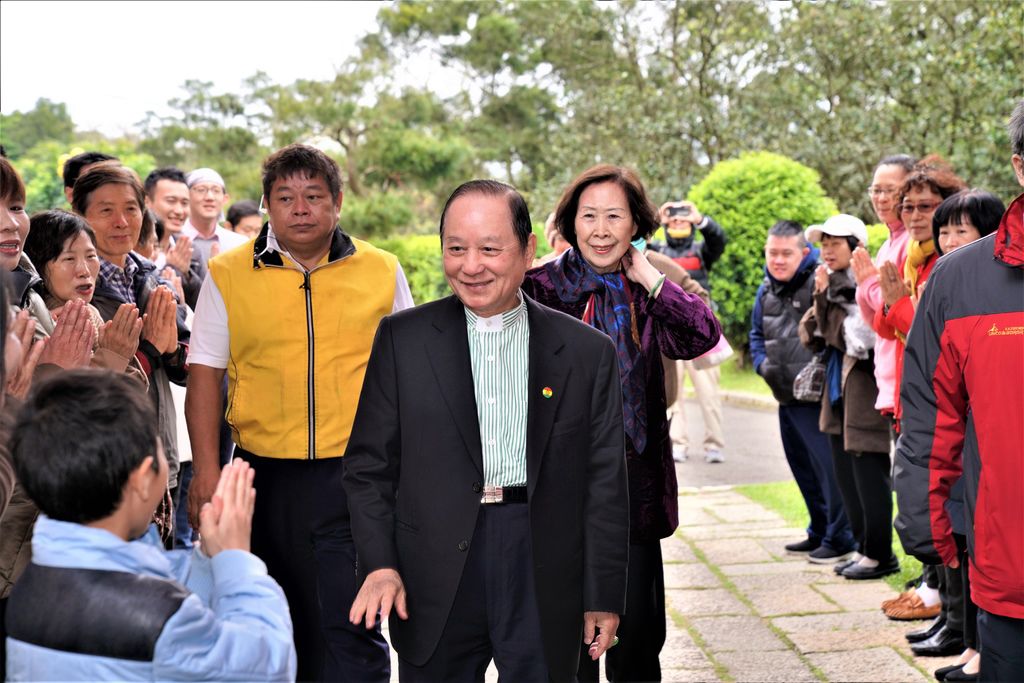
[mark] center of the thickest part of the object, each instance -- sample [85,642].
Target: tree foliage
[747,196]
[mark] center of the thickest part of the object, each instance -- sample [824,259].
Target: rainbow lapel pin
[546,392]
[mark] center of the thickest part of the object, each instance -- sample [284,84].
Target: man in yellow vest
[291,320]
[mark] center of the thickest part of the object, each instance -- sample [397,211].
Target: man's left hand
[381,591]
[607,623]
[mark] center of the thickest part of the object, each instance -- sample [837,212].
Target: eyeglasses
[203,190]
[909,209]
[875,191]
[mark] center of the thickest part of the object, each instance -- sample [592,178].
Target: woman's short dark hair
[243,209]
[517,208]
[305,160]
[105,173]
[645,216]
[980,208]
[935,173]
[12,188]
[78,438]
[49,232]
[904,161]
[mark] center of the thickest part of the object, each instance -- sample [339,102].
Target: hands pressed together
[893,286]
[225,523]
[159,326]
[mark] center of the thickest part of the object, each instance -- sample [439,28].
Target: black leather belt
[503,495]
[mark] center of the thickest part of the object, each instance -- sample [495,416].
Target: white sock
[929,596]
[867,563]
[856,556]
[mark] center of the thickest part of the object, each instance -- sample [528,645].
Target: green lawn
[734,378]
[784,498]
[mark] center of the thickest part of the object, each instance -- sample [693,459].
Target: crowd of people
[493,471]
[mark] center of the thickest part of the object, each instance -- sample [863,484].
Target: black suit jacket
[414,468]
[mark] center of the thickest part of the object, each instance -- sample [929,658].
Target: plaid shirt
[120,280]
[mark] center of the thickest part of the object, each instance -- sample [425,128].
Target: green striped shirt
[499,353]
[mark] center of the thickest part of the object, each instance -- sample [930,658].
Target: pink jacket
[869,299]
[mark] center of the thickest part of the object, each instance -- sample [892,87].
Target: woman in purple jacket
[607,282]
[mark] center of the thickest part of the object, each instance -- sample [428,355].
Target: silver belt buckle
[492,494]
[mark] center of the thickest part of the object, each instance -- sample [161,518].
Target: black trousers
[1002,647]
[642,628]
[495,612]
[301,530]
[970,609]
[866,486]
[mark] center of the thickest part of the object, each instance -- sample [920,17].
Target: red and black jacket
[963,414]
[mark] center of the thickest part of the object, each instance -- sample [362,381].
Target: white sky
[111,62]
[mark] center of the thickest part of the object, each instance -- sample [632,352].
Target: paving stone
[686,675]
[680,652]
[788,599]
[742,530]
[766,666]
[695,602]
[816,574]
[859,595]
[765,582]
[776,545]
[875,664]
[697,517]
[842,631]
[675,549]
[748,512]
[729,634]
[732,551]
[691,575]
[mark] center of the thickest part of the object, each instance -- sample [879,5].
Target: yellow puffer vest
[299,343]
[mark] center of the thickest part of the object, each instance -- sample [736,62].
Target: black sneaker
[826,555]
[801,547]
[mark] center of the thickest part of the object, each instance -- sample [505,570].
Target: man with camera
[678,219]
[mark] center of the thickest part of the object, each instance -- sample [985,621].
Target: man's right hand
[382,590]
[204,485]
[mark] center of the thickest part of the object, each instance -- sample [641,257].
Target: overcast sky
[111,62]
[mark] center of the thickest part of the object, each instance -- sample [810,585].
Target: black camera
[679,211]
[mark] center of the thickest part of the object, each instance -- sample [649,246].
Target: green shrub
[381,213]
[420,256]
[746,196]
[877,233]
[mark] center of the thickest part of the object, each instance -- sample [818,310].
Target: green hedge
[746,196]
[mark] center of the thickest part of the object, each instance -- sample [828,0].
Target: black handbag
[809,383]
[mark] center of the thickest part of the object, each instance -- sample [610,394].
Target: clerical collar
[496,323]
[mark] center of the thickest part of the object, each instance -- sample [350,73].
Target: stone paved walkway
[741,609]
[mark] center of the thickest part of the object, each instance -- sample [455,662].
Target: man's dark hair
[77,439]
[73,166]
[904,161]
[517,208]
[645,216]
[981,208]
[1016,129]
[49,232]
[303,160]
[788,229]
[105,174]
[242,209]
[175,175]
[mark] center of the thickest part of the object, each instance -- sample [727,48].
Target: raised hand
[180,254]
[862,266]
[225,523]
[171,276]
[19,377]
[159,326]
[70,345]
[893,286]
[121,333]
[820,279]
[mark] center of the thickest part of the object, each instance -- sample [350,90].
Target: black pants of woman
[865,484]
[642,628]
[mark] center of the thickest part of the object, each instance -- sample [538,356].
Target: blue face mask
[640,243]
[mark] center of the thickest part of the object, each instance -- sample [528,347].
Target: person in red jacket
[963,373]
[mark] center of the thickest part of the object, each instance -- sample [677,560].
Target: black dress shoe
[801,547]
[927,632]
[958,674]
[943,671]
[859,572]
[944,643]
[838,569]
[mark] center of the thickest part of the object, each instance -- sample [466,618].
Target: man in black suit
[486,469]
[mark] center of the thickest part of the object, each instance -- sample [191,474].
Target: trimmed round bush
[746,196]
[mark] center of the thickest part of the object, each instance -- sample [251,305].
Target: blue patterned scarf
[609,309]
